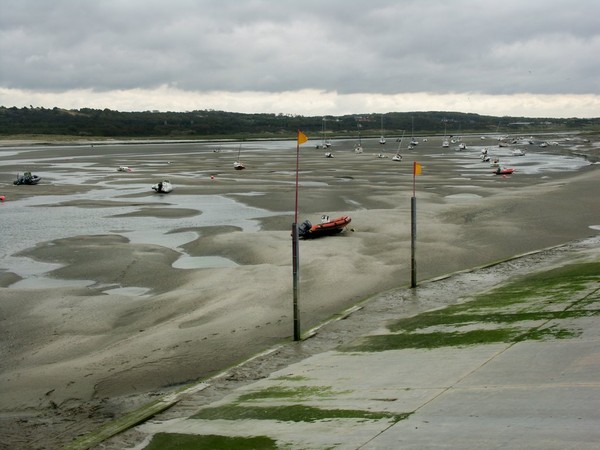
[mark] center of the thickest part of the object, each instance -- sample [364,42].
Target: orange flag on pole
[302,138]
[417,169]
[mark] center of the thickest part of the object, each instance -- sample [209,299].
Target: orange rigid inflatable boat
[327,227]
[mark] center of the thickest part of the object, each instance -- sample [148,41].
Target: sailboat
[326,143]
[358,146]
[398,156]
[413,141]
[238,164]
[382,138]
[445,142]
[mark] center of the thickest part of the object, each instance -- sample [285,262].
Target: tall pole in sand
[295,245]
[413,227]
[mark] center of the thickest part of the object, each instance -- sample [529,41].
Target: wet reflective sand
[110,290]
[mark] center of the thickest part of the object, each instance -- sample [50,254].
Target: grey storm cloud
[347,46]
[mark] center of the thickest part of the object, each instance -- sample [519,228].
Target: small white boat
[238,164]
[328,155]
[398,157]
[518,152]
[413,140]
[445,142]
[358,148]
[163,187]
[124,169]
[462,146]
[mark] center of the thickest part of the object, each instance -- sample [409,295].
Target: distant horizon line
[324,116]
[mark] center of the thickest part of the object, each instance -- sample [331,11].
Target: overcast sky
[536,58]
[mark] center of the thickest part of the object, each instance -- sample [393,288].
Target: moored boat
[504,170]
[163,187]
[327,227]
[238,165]
[398,156]
[27,178]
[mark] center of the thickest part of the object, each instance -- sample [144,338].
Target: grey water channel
[34,220]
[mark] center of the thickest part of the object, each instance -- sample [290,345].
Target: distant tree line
[206,124]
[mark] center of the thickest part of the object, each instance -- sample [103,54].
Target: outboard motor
[304,228]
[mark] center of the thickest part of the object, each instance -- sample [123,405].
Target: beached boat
[382,138]
[238,165]
[163,187]
[504,170]
[398,157]
[462,146]
[358,146]
[518,152]
[27,178]
[326,143]
[124,169]
[445,142]
[328,155]
[327,227]
[413,141]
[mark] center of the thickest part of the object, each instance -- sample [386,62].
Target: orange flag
[302,138]
[417,168]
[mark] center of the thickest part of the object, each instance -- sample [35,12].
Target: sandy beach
[147,292]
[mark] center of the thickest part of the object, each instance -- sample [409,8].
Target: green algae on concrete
[291,413]
[298,393]
[176,441]
[527,304]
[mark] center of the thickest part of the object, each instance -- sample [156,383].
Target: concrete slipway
[539,388]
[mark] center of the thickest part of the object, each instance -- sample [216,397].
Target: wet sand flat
[113,320]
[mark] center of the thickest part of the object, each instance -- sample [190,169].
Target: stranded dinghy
[327,227]
[27,178]
[163,187]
